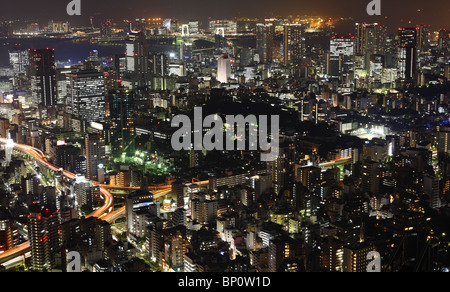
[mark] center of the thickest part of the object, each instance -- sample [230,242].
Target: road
[104,212]
[40,158]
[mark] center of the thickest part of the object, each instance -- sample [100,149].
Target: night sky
[395,12]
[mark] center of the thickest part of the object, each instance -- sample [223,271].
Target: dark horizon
[400,13]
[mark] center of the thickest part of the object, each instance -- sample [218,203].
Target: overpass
[39,157]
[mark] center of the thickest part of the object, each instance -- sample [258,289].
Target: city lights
[160,137]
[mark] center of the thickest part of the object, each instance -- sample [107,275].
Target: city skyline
[220,143]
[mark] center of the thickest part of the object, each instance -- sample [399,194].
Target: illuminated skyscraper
[264,41]
[370,39]
[19,59]
[121,104]
[340,62]
[43,226]
[136,74]
[223,68]
[95,155]
[407,53]
[86,95]
[43,77]
[293,44]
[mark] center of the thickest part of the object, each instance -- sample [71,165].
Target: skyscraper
[86,95]
[95,154]
[19,59]
[223,68]
[43,77]
[293,44]
[121,105]
[43,226]
[264,41]
[370,39]
[136,74]
[407,53]
[340,62]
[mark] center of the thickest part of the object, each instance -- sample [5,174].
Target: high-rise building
[431,188]
[371,177]
[19,59]
[407,53]
[223,68]
[340,62]
[121,106]
[423,38]
[370,39]
[43,77]
[136,75]
[86,95]
[95,154]
[293,44]
[138,200]
[86,193]
[265,34]
[159,64]
[284,252]
[43,226]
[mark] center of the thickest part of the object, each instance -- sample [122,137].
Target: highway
[104,212]
[40,158]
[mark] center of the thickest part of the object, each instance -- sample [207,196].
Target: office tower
[265,34]
[43,226]
[159,64]
[371,177]
[19,59]
[432,190]
[136,74]
[293,45]
[423,38]
[121,107]
[355,258]
[95,155]
[370,39]
[86,95]
[407,54]
[340,62]
[43,77]
[223,68]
